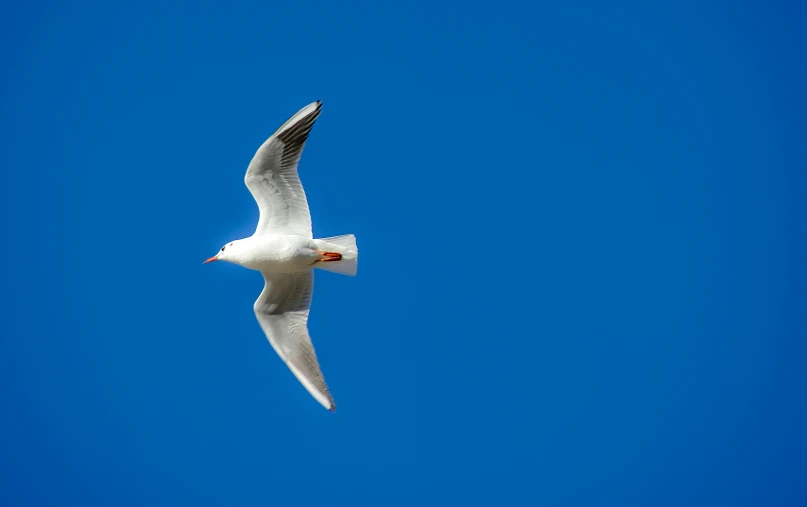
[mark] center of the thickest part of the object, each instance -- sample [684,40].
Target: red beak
[214,258]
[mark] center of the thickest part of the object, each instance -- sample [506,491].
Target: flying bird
[284,251]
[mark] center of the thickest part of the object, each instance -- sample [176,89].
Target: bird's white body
[275,253]
[284,251]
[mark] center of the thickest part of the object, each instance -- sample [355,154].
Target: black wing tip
[317,109]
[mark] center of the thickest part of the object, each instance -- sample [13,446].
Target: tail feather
[345,245]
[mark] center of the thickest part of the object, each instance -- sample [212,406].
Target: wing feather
[273,180]
[282,311]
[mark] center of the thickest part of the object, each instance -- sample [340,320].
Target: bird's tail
[344,245]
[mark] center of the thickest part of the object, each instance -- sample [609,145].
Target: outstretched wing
[282,311]
[273,180]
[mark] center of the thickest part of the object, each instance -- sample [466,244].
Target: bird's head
[227,253]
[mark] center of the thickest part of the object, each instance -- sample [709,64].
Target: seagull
[284,251]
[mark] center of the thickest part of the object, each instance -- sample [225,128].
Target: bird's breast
[282,254]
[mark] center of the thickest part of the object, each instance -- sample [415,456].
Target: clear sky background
[582,244]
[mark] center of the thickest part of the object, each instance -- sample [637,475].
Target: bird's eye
[222,248]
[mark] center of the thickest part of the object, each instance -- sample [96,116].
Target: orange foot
[329,256]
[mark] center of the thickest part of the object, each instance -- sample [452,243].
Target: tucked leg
[329,256]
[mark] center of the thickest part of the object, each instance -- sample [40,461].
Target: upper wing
[272,176]
[282,311]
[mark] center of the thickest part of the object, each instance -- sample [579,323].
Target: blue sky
[582,247]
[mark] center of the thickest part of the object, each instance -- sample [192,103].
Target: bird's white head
[228,252]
